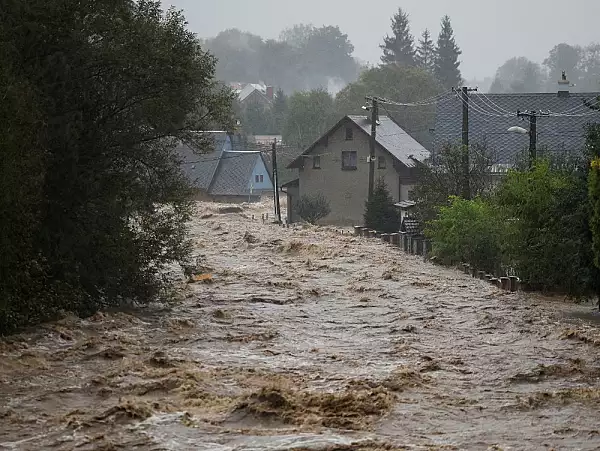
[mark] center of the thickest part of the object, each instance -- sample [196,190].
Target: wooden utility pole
[532,116]
[276,183]
[466,165]
[373,140]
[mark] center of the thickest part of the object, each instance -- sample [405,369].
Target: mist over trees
[518,75]
[581,65]
[303,58]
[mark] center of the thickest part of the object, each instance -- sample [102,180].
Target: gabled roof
[234,173]
[390,137]
[200,168]
[491,115]
[249,89]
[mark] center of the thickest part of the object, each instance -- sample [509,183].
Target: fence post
[514,283]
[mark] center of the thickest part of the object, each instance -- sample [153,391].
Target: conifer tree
[446,68]
[380,212]
[399,48]
[425,54]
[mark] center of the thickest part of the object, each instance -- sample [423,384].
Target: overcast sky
[488,31]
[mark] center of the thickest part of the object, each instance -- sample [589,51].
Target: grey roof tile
[556,134]
[234,173]
[394,139]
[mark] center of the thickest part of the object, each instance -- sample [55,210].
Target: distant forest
[303,58]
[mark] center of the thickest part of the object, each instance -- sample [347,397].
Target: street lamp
[519,130]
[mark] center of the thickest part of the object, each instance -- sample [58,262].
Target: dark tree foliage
[444,176]
[380,212]
[593,147]
[280,109]
[313,208]
[399,48]
[94,205]
[425,54]
[447,64]
[550,240]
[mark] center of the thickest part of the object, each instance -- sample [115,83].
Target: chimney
[563,85]
[270,92]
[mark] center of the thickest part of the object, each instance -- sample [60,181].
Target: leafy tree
[399,48]
[327,53]
[447,65]
[589,68]
[280,109]
[257,120]
[518,75]
[400,83]
[425,54]
[443,178]
[380,212]
[98,94]
[471,231]
[236,52]
[563,57]
[304,58]
[310,115]
[313,208]
[593,146]
[550,240]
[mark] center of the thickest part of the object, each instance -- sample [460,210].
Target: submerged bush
[313,208]
[469,231]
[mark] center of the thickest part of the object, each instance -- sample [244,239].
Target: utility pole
[466,165]
[532,116]
[374,120]
[276,183]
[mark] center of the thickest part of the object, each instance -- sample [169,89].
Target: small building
[253,94]
[225,174]
[337,167]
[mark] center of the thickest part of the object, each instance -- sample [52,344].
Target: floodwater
[308,339]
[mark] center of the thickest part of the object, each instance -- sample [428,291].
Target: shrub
[380,212]
[469,231]
[550,244]
[313,208]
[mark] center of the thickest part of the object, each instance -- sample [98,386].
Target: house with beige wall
[337,166]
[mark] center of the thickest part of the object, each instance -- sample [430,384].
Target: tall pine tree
[425,55]
[399,48]
[446,68]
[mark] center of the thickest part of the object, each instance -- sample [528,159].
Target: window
[316,162]
[381,162]
[348,160]
[326,141]
[258,178]
[349,133]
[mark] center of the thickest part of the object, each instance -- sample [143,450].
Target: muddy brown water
[308,340]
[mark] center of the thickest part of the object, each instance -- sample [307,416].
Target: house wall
[347,191]
[293,194]
[260,169]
